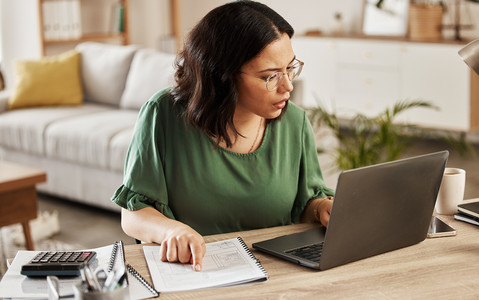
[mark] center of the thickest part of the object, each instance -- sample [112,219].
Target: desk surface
[438,268]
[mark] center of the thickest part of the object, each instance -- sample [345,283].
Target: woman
[223,150]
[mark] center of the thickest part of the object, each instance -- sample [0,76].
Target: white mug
[451,192]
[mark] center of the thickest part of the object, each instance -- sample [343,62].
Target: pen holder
[81,292]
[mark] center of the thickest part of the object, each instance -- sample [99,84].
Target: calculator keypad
[66,263]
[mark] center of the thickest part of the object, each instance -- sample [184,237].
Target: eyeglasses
[274,80]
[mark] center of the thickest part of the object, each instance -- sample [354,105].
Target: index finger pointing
[197,253]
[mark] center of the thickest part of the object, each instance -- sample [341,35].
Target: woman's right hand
[183,244]
[179,242]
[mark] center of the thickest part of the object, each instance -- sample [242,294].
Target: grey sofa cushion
[118,148]
[86,139]
[104,69]
[24,129]
[150,72]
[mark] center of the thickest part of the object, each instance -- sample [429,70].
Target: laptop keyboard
[310,252]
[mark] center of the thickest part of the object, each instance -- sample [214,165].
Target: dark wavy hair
[214,52]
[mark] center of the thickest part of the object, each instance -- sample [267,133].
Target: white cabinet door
[319,57]
[368,53]
[436,73]
[365,91]
[367,77]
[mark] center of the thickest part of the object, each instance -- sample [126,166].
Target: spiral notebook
[138,286]
[110,257]
[226,263]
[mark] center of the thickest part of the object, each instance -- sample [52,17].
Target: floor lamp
[470,55]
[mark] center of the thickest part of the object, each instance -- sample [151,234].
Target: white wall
[149,22]
[19,33]
[305,15]
[301,14]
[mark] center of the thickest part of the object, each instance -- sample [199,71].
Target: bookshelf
[65,22]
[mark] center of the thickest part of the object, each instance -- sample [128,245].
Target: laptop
[376,209]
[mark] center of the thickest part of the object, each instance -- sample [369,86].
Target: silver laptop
[376,209]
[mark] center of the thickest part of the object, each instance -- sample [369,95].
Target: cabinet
[90,20]
[354,75]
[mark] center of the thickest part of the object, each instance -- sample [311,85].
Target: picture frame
[385,17]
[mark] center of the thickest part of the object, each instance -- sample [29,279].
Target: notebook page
[227,262]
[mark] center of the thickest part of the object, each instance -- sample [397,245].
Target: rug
[43,230]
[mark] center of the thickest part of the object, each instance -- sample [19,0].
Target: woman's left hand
[322,210]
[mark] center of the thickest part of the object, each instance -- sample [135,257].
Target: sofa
[82,144]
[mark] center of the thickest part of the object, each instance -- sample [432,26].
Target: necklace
[257,134]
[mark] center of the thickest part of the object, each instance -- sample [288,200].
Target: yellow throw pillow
[53,80]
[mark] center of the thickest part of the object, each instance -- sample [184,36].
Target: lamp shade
[470,54]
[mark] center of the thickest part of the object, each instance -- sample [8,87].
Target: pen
[54,289]
[101,275]
[115,279]
[108,280]
[91,281]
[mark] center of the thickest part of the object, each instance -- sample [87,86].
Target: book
[121,21]
[117,18]
[75,11]
[137,284]
[117,256]
[15,285]
[466,218]
[64,19]
[226,263]
[470,208]
[61,20]
[47,8]
[54,15]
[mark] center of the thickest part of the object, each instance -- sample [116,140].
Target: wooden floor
[84,225]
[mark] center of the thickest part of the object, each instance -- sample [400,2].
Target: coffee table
[18,196]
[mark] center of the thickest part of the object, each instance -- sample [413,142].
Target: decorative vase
[425,22]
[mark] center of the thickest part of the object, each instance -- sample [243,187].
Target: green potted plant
[366,140]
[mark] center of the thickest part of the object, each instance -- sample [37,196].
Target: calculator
[57,263]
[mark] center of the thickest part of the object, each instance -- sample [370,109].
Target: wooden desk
[438,268]
[18,196]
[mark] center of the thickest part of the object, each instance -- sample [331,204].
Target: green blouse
[177,169]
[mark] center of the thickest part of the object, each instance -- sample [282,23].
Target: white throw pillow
[104,69]
[150,72]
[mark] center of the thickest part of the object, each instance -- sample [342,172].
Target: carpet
[44,229]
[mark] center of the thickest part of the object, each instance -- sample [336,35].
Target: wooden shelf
[90,37]
[122,37]
[316,34]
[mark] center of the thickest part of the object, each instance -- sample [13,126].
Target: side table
[18,196]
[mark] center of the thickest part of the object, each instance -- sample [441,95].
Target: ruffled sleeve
[131,200]
[311,183]
[144,181]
